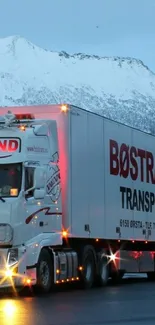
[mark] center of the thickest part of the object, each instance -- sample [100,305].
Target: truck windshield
[10,179]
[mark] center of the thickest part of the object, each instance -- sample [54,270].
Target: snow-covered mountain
[120,88]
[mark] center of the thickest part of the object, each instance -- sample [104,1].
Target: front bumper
[13,278]
[15,274]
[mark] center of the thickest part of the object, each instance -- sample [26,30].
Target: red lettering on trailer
[9,145]
[133,162]
[134,169]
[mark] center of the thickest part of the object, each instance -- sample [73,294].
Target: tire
[103,271]
[88,263]
[44,272]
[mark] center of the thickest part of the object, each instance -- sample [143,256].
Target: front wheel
[44,272]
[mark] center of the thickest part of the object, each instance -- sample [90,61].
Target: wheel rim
[103,271]
[44,273]
[88,272]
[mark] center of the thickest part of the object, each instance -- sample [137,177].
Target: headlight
[6,233]
[12,258]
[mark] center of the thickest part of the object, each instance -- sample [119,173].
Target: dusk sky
[103,27]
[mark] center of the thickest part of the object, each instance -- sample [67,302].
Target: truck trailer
[77,198]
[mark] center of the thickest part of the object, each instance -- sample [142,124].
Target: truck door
[31,206]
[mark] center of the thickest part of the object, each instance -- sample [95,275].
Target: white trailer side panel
[112,206]
[87,175]
[129,194]
[146,143]
[113,211]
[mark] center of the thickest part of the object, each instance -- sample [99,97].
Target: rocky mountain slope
[119,88]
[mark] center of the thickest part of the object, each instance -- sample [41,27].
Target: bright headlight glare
[9,273]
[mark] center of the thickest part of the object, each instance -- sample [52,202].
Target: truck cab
[30,195]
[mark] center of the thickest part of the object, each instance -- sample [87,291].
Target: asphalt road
[131,303]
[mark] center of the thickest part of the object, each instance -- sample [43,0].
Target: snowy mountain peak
[119,88]
[17,48]
[120,60]
[12,44]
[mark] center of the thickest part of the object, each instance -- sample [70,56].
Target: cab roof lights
[11,118]
[30,113]
[20,117]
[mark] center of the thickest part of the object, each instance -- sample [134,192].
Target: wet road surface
[131,303]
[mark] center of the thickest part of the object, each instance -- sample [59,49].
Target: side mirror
[39,178]
[39,194]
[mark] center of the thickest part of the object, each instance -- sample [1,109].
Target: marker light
[64,234]
[14,191]
[24,116]
[64,108]
[22,128]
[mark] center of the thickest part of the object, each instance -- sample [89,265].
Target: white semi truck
[77,198]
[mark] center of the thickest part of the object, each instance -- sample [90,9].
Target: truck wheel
[103,272]
[88,263]
[44,272]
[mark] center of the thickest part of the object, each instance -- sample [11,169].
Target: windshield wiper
[1,198]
